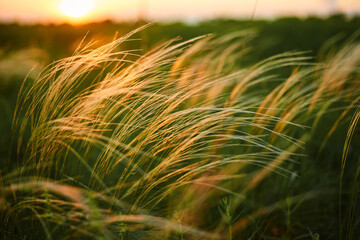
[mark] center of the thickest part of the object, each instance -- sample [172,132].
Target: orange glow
[82,11]
[76,8]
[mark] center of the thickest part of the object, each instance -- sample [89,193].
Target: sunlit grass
[115,144]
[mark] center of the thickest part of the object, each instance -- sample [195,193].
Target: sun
[76,8]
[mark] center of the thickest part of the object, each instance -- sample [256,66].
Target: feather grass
[175,130]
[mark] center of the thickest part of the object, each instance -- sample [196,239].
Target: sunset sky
[58,11]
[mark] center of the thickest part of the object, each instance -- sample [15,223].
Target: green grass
[184,142]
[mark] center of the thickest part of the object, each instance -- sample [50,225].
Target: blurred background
[58,11]
[35,33]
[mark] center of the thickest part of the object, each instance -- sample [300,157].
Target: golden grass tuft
[127,140]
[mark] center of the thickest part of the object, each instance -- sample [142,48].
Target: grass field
[240,134]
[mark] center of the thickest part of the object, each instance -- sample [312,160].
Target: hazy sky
[48,10]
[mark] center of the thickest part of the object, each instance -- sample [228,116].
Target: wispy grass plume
[117,142]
